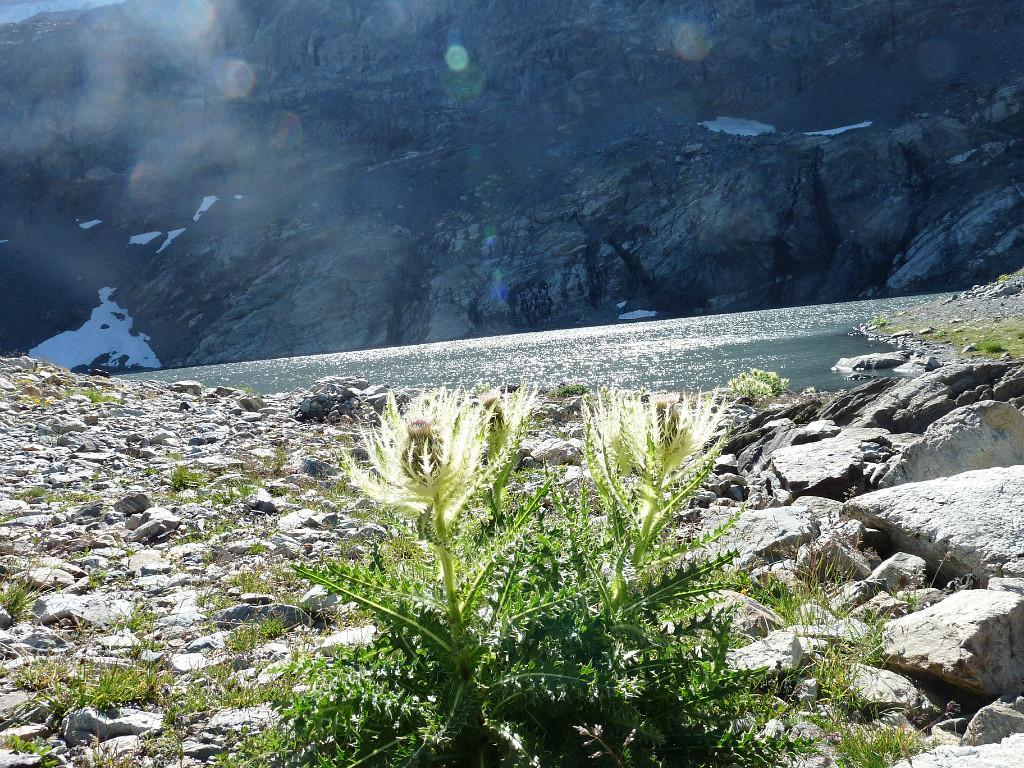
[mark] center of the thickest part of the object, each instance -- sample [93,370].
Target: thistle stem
[447,563]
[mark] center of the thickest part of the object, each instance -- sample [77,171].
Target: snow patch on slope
[144,239]
[90,224]
[843,129]
[173,235]
[736,126]
[18,12]
[206,205]
[638,314]
[107,332]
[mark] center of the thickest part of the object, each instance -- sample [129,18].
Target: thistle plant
[647,456]
[520,654]
[431,460]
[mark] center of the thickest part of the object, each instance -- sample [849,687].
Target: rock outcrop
[970,524]
[980,436]
[970,640]
[1006,754]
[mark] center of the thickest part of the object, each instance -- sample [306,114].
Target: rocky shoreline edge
[149,611]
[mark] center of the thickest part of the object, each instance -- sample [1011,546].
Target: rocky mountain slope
[424,169]
[149,615]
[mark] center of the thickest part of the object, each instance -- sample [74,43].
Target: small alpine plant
[522,625]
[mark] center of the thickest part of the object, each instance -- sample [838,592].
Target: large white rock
[979,436]
[780,651]
[995,722]
[97,610]
[886,690]
[1008,754]
[829,467]
[83,725]
[763,533]
[972,523]
[972,640]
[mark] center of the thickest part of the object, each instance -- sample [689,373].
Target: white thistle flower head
[668,430]
[507,418]
[429,460]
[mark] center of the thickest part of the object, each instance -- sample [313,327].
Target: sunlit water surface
[801,343]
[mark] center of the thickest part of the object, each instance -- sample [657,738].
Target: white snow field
[107,332]
[206,205]
[638,314]
[90,224]
[173,235]
[843,129]
[144,239]
[736,126]
[16,12]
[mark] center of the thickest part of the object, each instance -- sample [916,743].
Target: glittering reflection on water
[800,343]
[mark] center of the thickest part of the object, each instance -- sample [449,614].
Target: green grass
[283,583]
[64,688]
[141,621]
[990,338]
[251,636]
[991,347]
[859,746]
[184,479]
[17,598]
[20,746]
[95,396]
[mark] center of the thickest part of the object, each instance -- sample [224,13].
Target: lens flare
[288,132]
[690,40]
[457,58]
[499,289]
[235,78]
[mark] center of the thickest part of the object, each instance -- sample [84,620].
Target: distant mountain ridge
[406,171]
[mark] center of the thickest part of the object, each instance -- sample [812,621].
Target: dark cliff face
[412,170]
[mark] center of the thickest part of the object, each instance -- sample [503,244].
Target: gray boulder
[995,722]
[781,651]
[886,690]
[968,524]
[83,725]
[1006,754]
[901,571]
[289,615]
[766,534]
[875,361]
[831,468]
[979,436]
[970,640]
[97,610]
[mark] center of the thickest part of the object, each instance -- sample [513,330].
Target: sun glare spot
[690,40]
[235,78]
[457,58]
[288,132]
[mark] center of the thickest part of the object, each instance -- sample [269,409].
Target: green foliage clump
[183,478]
[17,597]
[95,396]
[91,685]
[991,348]
[758,385]
[1003,279]
[21,746]
[881,321]
[532,629]
[570,390]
